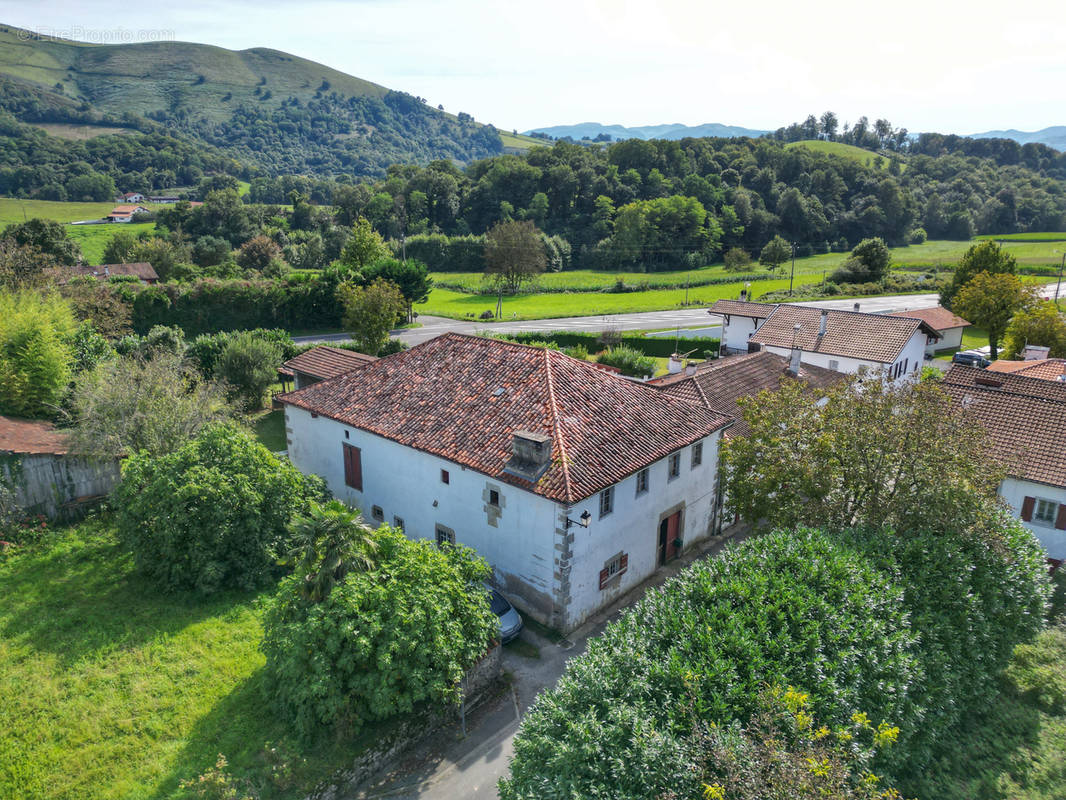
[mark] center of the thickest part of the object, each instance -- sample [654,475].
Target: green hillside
[864,157]
[263,107]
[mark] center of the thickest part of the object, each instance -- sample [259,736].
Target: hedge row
[657,347]
[909,629]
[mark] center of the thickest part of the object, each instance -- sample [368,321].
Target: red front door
[668,531]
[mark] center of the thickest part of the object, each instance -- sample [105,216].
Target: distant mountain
[675,131]
[1054,136]
[264,107]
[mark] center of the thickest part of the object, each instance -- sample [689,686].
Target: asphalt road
[686,319]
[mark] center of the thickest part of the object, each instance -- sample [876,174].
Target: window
[1045,511]
[606,501]
[697,454]
[353,467]
[346,436]
[674,465]
[397,522]
[642,481]
[445,535]
[494,497]
[613,569]
[377,513]
[834,365]
[444,477]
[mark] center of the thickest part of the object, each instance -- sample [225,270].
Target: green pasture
[94,238]
[849,151]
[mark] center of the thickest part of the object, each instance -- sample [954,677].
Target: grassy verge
[109,689]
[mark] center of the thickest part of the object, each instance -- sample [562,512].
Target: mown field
[109,689]
[865,157]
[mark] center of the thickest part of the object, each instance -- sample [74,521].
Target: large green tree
[47,236]
[411,276]
[249,365]
[370,312]
[775,253]
[990,300]
[514,255]
[987,256]
[364,246]
[1042,325]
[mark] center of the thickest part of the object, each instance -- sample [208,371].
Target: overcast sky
[941,65]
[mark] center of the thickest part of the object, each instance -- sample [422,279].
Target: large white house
[1026,420]
[843,341]
[574,483]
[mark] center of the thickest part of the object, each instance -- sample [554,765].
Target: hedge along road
[685,318]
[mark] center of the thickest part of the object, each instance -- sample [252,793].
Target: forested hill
[268,109]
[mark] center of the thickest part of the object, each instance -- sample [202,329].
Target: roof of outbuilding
[324,362]
[30,437]
[464,397]
[139,269]
[938,318]
[719,384]
[851,334]
[742,308]
[1048,369]
[1025,418]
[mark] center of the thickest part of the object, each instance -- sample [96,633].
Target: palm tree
[327,543]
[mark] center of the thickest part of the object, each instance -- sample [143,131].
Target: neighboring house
[844,341]
[1048,369]
[141,270]
[132,197]
[125,213]
[162,199]
[740,319]
[46,479]
[1026,420]
[321,363]
[574,483]
[947,324]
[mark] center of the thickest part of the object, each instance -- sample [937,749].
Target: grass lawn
[269,429]
[109,689]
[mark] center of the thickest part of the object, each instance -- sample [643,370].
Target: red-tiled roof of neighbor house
[139,269]
[720,383]
[1048,369]
[464,397]
[938,318]
[1024,417]
[324,362]
[742,308]
[126,210]
[30,437]
[851,334]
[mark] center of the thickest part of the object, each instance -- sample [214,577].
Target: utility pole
[792,275]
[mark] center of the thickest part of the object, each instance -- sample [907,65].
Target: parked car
[510,620]
[970,359]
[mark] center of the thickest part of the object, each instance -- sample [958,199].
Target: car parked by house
[970,359]
[510,619]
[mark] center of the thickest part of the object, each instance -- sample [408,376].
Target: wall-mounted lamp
[583,520]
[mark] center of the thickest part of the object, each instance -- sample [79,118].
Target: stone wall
[58,486]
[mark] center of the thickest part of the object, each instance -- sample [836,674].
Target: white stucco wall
[737,330]
[913,355]
[1015,491]
[951,338]
[548,571]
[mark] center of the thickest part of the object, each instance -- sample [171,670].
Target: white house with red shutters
[574,483]
[1026,420]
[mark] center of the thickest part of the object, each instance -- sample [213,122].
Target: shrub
[35,353]
[249,365]
[736,259]
[918,236]
[1036,669]
[211,515]
[382,641]
[787,608]
[629,360]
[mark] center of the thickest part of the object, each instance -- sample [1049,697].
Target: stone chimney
[824,322]
[690,367]
[794,362]
[531,455]
[856,308]
[673,366]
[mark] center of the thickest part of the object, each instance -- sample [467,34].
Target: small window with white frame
[1044,511]
[674,466]
[606,501]
[697,454]
[642,481]
[834,365]
[445,536]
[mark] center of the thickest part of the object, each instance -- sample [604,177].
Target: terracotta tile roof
[1048,369]
[742,308]
[851,334]
[324,362]
[139,269]
[30,437]
[1025,418]
[126,210]
[463,397]
[719,384]
[938,318]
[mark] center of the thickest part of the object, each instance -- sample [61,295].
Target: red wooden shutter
[1027,508]
[604,576]
[353,467]
[623,562]
[1060,518]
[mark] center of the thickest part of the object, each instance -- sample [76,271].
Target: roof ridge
[557,429]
